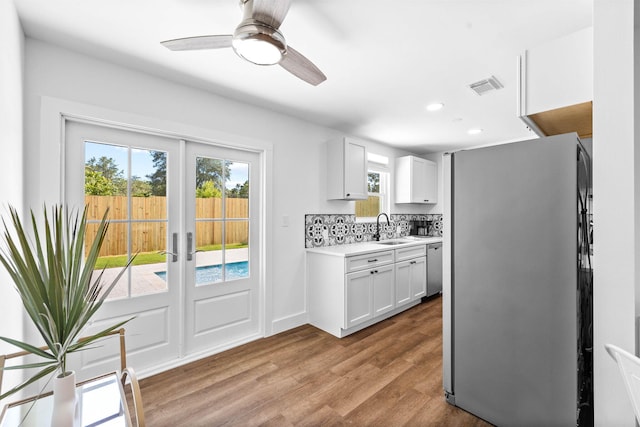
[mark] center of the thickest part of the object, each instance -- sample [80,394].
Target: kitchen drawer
[374,259]
[410,252]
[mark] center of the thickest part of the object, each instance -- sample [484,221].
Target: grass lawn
[113,261]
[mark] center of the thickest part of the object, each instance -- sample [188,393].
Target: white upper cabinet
[558,73]
[416,180]
[556,86]
[346,169]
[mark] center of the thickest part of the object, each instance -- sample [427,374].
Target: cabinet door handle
[373,260]
[348,194]
[413,262]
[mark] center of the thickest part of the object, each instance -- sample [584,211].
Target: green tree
[215,170]
[373,182]
[95,184]
[140,188]
[207,190]
[240,191]
[108,168]
[158,179]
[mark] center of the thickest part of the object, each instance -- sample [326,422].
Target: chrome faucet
[376,236]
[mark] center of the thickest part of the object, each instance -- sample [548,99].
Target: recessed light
[474,131]
[435,107]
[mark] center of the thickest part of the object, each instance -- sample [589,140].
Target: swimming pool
[213,273]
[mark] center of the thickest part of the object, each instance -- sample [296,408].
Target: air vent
[486,85]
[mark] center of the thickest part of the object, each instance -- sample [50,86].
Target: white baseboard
[174,363]
[289,322]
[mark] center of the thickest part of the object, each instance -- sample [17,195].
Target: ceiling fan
[258,40]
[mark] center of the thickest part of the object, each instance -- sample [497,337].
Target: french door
[222,270]
[190,213]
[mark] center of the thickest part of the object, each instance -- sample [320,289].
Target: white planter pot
[65,404]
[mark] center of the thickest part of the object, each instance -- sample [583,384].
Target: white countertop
[365,247]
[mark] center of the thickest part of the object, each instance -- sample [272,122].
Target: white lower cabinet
[411,274]
[349,293]
[359,298]
[368,294]
[411,280]
[383,290]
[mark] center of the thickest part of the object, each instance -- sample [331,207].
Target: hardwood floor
[389,374]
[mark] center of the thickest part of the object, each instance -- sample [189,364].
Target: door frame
[55,112]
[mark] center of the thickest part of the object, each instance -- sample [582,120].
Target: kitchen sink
[393,242]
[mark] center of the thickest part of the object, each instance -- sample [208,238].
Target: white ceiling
[385,60]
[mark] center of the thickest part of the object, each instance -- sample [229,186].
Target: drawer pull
[373,260]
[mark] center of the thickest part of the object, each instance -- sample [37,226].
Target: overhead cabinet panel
[416,180]
[555,93]
[346,170]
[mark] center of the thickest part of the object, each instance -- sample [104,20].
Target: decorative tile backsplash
[340,229]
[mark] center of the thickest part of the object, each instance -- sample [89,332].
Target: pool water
[213,273]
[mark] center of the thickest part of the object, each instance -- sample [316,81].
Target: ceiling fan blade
[295,63]
[198,42]
[271,12]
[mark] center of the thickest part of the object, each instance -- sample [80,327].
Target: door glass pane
[237,190]
[149,269]
[130,182]
[113,257]
[221,240]
[209,252]
[237,250]
[210,175]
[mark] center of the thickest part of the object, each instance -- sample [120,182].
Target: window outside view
[371,207]
[132,183]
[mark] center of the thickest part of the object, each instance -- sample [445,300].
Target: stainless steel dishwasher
[434,268]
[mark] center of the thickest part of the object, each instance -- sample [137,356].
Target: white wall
[616,197]
[298,149]
[11,190]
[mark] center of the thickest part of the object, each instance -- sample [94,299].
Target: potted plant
[53,276]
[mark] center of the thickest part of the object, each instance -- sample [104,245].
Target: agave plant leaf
[44,372]
[24,271]
[28,347]
[29,365]
[55,280]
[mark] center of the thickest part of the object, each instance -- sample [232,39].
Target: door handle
[189,246]
[174,248]
[190,250]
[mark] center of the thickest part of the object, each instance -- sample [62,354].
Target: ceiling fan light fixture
[259,44]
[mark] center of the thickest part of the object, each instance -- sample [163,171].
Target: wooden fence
[149,226]
[369,207]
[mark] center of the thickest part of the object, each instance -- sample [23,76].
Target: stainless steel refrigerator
[518,284]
